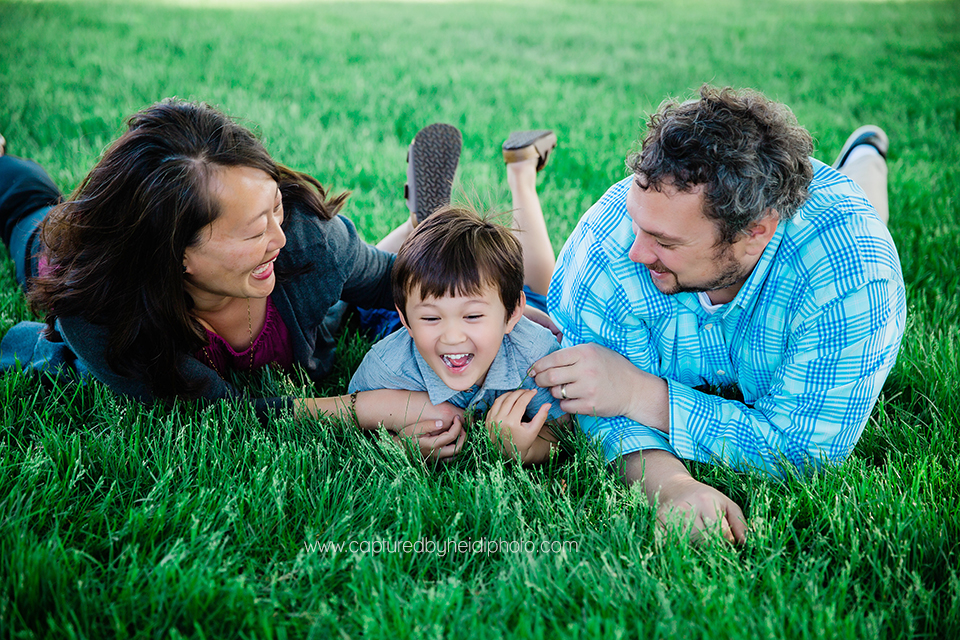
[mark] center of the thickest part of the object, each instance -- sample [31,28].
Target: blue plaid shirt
[808,341]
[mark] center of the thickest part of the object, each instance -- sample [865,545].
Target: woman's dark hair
[749,152]
[115,248]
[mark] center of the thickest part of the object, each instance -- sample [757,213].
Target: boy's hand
[433,439]
[505,423]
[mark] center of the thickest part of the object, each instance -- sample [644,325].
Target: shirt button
[721,372]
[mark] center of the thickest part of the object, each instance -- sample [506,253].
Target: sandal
[431,164]
[524,145]
[869,134]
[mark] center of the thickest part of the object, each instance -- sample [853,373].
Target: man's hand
[692,507]
[505,424]
[434,440]
[596,381]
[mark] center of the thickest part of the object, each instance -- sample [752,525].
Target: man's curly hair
[748,151]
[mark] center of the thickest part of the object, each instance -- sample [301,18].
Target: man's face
[678,244]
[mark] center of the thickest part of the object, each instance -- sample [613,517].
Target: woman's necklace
[250,333]
[206,349]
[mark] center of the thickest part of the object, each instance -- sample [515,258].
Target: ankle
[522,174]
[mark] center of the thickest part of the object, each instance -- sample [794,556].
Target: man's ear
[759,233]
[403,319]
[517,313]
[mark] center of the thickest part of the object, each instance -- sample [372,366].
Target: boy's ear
[403,319]
[517,313]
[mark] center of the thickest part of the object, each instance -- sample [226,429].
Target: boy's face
[459,336]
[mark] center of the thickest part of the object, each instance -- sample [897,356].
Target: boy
[458,285]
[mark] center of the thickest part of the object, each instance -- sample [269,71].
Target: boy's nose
[452,334]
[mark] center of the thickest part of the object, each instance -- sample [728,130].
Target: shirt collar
[504,375]
[750,290]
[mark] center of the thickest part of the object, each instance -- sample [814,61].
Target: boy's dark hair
[456,251]
[748,150]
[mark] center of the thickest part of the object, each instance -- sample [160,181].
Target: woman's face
[234,255]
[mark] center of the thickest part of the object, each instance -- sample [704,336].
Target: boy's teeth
[456,359]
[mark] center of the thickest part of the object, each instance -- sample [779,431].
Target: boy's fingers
[497,404]
[506,404]
[540,419]
[520,402]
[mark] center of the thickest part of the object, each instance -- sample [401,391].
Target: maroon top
[272,345]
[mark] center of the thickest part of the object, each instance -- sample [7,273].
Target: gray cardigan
[343,268]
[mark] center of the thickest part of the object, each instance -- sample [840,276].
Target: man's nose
[641,251]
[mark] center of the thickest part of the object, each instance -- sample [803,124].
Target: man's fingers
[557,359]
[726,530]
[737,522]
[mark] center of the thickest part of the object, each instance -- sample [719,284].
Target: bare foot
[522,174]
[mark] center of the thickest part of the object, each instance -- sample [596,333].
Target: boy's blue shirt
[395,363]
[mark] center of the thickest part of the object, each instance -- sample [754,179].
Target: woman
[187,252]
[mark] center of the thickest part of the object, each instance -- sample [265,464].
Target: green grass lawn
[120,521]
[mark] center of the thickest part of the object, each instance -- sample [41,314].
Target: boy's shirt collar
[503,375]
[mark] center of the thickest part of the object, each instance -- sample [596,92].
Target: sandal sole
[526,145]
[431,165]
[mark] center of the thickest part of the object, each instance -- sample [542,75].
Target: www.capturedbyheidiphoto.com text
[443,547]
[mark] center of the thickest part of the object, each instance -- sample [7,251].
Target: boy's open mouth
[457,362]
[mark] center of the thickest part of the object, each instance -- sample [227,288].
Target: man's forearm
[651,402]
[659,471]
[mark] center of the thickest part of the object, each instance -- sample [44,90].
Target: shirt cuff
[686,408]
[620,436]
[695,435]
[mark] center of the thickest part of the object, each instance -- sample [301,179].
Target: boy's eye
[474,316]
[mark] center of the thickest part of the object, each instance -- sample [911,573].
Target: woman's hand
[437,430]
[395,409]
[434,439]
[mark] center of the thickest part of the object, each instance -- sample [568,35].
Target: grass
[122,521]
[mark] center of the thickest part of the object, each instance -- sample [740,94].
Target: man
[732,301]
